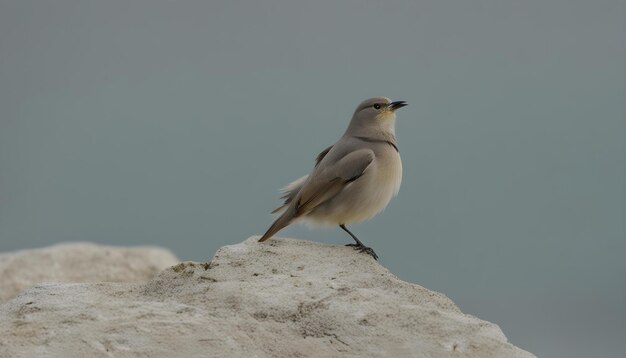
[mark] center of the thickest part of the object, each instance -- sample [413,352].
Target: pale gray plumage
[352,180]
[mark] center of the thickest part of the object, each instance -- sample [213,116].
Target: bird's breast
[389,173]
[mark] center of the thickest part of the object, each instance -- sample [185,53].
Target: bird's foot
[364,249]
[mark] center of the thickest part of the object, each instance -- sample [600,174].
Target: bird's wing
[322,155]
[292,189]
[329,180]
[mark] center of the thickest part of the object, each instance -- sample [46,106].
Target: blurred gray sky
[174,123]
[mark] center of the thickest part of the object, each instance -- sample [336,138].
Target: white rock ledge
[80,262]
[281,298]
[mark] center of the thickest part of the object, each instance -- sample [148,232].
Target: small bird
[353,179]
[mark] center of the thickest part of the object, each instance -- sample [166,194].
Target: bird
[353,179]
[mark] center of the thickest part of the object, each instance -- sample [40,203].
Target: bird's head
[377,112]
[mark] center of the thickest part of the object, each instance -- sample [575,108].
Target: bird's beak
[397,104]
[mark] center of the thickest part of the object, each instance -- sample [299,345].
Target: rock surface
[79,262]
[282,298]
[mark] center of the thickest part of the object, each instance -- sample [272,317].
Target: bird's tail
[285,219]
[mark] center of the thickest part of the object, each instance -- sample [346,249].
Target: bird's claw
[364,249]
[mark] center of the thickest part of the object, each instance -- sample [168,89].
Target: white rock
[282,298]
[79,262]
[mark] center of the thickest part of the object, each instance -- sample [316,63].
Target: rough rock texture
[79,262]
[282,298]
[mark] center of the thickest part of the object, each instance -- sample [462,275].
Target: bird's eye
[377,106]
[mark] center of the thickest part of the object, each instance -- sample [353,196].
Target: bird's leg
[359,245]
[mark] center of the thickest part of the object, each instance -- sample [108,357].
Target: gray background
[171,123]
